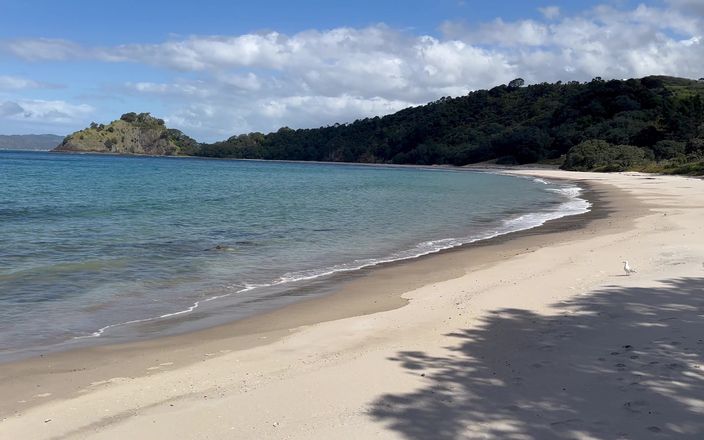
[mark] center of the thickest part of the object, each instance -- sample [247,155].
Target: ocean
[101,249]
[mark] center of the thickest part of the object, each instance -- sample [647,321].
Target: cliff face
[131,134]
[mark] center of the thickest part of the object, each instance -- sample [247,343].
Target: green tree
[516,83]
[129,117]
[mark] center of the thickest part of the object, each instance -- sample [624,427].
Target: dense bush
[598,155]
[649,119]
[129,117]
[186,145]
[663,150]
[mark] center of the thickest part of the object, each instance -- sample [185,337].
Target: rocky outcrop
[131,134]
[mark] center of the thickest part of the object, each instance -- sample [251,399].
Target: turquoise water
[108,248]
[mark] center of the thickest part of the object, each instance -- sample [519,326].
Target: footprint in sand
[109,381]
[636,406]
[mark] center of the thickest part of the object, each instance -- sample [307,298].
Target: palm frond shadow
[618,363]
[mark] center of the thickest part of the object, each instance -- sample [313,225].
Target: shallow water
[91,245]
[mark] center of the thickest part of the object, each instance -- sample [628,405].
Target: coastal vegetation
[654,123]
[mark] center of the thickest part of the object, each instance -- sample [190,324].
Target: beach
[537,334]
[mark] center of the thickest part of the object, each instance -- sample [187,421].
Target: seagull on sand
[627,268]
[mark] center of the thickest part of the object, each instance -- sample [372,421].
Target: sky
[215,69]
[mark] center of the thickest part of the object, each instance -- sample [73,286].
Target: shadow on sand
[617,363]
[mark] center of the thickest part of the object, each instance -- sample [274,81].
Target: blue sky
[152,21]
[218,68]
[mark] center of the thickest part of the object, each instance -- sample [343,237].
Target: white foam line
[194,306]
[575,206]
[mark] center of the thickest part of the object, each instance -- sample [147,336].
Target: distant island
[29,141]
[655,124]
[131,134]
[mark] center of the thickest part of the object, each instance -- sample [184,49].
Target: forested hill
[652,119]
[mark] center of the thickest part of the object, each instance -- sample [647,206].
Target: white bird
[627,268]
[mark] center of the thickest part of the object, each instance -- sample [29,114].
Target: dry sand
[536,336]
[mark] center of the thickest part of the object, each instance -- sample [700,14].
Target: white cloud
[338,108]
[194,89]
[217,86]
[311,79]
[44,49]
[224,113]
[9,108]
[51,112]
[605,41]
[244,82]
[500,32]
[368,62]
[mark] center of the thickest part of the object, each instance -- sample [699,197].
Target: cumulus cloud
[309,79]
[225,84]
[372,61]
[604,41]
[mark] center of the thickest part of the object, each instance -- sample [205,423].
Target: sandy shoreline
[487,331]
[362,292]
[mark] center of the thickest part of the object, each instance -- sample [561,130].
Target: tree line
[616,124]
